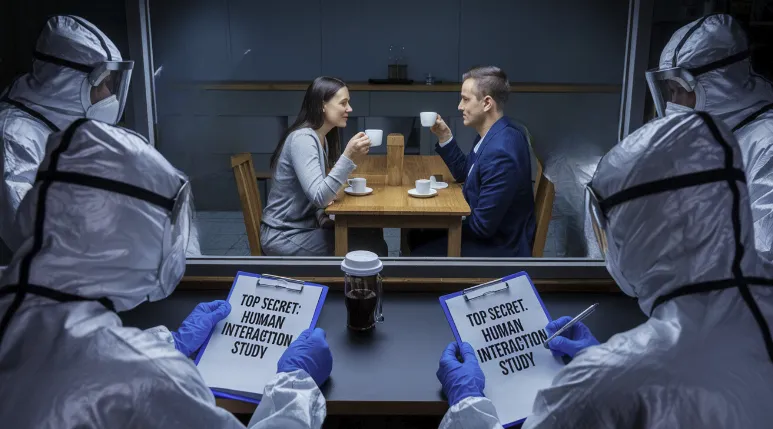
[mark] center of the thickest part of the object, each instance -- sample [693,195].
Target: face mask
[105,110]
[672,108]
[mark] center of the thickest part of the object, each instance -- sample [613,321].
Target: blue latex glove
[197,326]
[310,353]
[461,378]
[570,342]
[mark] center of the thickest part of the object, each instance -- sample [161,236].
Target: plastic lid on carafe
[361,263]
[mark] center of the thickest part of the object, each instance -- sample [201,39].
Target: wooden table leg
[455,238]
[405,250]
[342,236]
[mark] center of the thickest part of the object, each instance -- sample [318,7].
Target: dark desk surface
[392,371]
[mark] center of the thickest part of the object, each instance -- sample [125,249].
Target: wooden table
[392,207]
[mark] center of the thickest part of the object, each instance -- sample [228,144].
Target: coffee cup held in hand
[357,184]
[357,148]
[375,137]
[440,130]
[428,118]
[362,290]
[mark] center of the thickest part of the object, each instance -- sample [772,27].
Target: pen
[576,319]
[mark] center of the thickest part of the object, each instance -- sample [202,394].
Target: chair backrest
[537,177]
[544,194]
[543,211]
[536,166]
[249,195]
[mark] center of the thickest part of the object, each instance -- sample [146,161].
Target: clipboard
[265,280]
[487,289]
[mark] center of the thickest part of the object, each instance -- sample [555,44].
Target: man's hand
[441,130]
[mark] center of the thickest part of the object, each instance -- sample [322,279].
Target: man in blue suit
[496,173]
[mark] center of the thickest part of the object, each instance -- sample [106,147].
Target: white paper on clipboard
[267,314]
[504,322]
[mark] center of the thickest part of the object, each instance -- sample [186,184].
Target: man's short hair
[490,81]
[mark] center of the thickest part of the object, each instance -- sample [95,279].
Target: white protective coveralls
[678,236]
[710,57]
[72,56]
[104,227]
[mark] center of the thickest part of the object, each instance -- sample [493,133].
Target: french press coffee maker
[362,290]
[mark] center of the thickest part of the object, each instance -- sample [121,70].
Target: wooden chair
[249,195]
[536,166]
[537,178]
[544,194]
[543,211]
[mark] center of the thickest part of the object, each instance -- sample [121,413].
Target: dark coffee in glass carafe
[362,302]
[362,290]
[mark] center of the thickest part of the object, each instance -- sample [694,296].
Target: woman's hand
[327,223]
[358,147]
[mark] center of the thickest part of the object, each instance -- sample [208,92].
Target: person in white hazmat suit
[706,66]
[104,229]
[77,72]
[671,212]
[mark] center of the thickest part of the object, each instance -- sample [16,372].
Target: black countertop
[393,369]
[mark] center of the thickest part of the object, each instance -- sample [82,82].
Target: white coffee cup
[357,184]
[375,137]
[422,186]
[432,181]
[428,118]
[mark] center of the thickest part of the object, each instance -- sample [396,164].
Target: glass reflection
[222,89]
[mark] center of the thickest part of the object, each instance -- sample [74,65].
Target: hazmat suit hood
[715,52]
[108,218]
[58,87]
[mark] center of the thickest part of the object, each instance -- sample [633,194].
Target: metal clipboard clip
[283,282]
[477,292]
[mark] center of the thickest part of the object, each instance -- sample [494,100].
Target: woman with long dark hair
[294,221]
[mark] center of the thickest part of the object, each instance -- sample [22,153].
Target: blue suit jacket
[498,188]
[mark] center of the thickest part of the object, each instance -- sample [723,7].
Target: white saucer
[439,185]
[349,191]
[415,194]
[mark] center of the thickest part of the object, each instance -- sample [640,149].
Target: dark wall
[534,41]
[22,21]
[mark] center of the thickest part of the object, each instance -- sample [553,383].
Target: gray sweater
[300,191]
